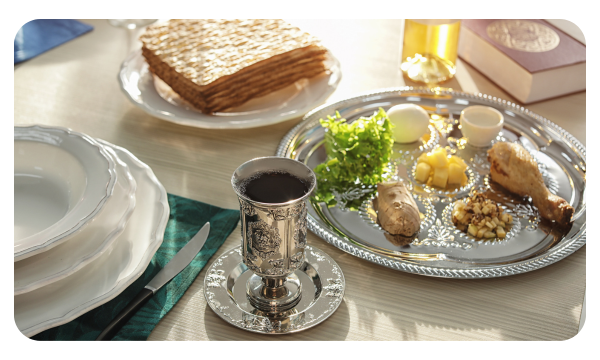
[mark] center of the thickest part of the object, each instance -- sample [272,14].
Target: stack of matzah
[219,64]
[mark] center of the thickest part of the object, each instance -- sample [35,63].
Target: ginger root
[397,211]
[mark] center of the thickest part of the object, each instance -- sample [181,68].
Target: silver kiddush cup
[273,235]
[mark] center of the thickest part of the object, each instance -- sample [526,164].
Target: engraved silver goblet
[273,236]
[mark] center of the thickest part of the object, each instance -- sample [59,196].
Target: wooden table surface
[75,85]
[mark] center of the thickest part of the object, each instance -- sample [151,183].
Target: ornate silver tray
[440,249]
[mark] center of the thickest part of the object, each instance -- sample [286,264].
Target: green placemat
[186,218]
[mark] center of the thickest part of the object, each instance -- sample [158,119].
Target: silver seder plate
[323,288]
[440,249]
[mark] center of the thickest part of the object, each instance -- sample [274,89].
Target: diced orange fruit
[465,180]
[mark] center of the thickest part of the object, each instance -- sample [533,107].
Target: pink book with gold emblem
[532,60]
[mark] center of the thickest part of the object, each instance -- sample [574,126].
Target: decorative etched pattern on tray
[440,235]
[481,272]
[480,162]
[409,155]
[529,213]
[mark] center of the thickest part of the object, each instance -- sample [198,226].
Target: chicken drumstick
[515,169]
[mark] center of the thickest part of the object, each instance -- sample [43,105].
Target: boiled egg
[411,122]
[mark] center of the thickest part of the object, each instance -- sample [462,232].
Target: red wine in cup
[273,187]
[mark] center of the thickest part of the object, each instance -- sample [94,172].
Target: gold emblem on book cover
[523,35]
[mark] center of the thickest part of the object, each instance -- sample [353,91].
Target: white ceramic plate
[112,272]
[62,180]
[157,99]
[83,246]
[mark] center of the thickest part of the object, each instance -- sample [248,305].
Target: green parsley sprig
[358,155]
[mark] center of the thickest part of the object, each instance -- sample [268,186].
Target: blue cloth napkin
[38,36]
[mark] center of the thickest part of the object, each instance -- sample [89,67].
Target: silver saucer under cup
[323,287]
[273,236]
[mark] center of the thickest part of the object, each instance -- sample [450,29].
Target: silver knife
[182,259]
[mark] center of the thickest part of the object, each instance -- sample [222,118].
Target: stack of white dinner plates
[88,217]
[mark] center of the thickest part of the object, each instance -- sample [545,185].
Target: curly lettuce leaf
[358,155]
